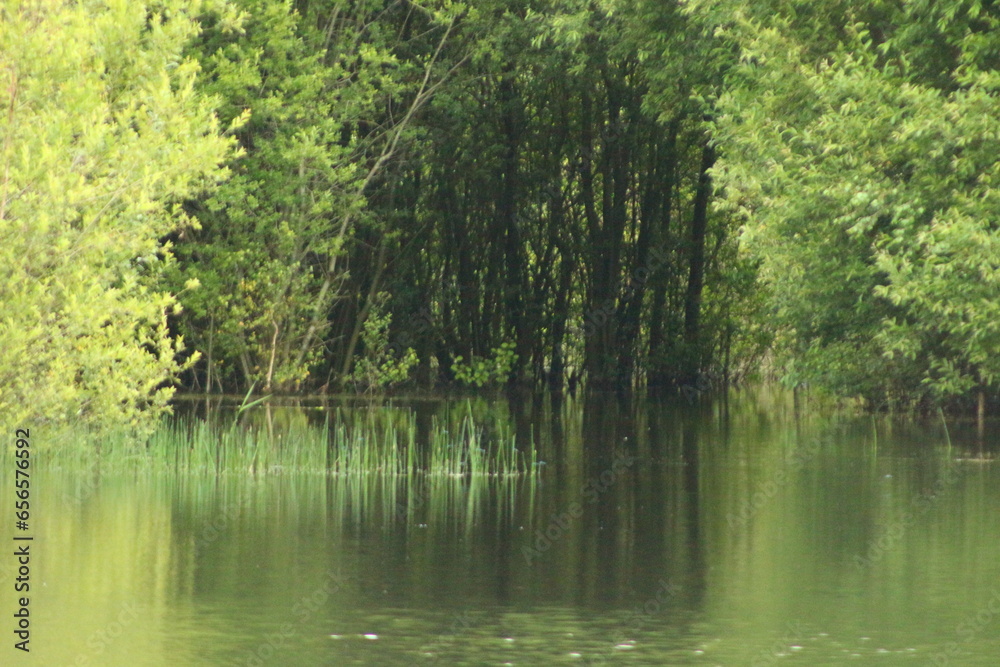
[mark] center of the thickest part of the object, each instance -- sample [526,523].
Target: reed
[352,442]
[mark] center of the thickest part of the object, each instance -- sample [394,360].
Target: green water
[657,533]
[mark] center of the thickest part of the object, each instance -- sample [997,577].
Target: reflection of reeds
[353,443]
[369,445]
[434,503]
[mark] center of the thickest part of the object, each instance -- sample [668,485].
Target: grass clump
[352,442]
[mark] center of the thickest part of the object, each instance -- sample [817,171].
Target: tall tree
[563,201]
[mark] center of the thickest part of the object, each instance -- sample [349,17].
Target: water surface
[659,532]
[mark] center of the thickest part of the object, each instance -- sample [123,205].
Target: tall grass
[352,442]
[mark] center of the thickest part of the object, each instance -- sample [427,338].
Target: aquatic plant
[354,442]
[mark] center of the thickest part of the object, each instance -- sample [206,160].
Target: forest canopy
[323,195]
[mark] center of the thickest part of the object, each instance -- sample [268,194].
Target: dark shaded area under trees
[552,197]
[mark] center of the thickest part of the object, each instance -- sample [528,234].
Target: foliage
[861,151]
[103,133]
[554,201]
[492,370]
[322,87]
[379,368]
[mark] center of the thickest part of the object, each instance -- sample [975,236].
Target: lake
[754,530]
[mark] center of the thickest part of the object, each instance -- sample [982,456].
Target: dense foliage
[329,100]
[538,192]
[862,153]
[524,188]
[103,134]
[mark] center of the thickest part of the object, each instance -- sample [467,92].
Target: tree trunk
[696,274]
[658,375]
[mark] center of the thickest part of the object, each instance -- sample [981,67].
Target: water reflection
[659,532]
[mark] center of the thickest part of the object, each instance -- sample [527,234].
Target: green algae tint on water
[737,532]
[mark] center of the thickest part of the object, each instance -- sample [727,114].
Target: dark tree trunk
[515,291]
[657,373]
[696,274]
[606,245]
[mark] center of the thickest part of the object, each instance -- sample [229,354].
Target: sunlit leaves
[102,134]
[865,167]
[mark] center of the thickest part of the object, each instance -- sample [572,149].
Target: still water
[659,532]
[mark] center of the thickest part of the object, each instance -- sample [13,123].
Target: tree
[330,101]
[103,134]
[556,200]
[860,147]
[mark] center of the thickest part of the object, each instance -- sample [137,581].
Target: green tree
[557,199]
[860,148]
[330,99]
[103,133]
